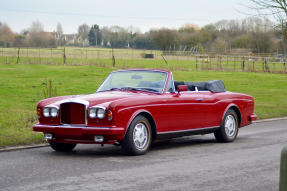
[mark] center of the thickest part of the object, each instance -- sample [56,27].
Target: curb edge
[271,119]
[22,147]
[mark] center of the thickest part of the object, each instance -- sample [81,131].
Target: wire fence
[130,58]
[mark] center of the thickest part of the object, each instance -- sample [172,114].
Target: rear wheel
[229,127]
[138,137]
[62,147]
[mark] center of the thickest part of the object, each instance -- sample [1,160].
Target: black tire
[223,135]
[129,145]
[62,147]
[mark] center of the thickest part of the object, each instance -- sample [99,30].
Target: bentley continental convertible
[134,107]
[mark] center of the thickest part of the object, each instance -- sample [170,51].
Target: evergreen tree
[95,35]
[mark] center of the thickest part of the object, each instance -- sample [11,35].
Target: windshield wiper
[147,89]
[132,89]
[139,89]
[112,89]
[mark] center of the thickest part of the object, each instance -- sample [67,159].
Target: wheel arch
[149,117]
[237,111]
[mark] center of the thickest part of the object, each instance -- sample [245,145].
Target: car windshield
[141,80]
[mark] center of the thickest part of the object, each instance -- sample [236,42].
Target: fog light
[48,136]
[98,139]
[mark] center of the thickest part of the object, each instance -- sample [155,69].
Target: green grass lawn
[21,87]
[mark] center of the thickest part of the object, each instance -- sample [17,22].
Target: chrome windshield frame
[158,71]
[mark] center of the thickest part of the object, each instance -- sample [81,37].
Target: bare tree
[271,7]
[36,26]
[189,28]
[59,29]
[37,37]
[60,40]
[83,34]
[278,9]
[6,35]
[166,39]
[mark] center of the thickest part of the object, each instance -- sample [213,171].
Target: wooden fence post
[266,65]
[113,58]
[64,56]
[283,170]
[243,64]
[284,65]
[18,56]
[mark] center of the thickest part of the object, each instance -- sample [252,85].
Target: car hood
[91,99]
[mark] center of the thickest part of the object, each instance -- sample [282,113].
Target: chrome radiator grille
[73,113]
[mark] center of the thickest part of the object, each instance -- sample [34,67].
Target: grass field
[21,87]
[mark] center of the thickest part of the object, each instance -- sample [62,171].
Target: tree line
[252,34]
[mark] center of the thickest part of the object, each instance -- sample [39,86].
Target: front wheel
[229,128]
[62,147]
[138,137]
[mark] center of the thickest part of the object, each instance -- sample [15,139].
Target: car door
[190,110]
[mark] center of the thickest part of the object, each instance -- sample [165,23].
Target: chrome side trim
[163,104]
[188,130]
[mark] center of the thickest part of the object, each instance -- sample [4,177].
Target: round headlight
[100,113]
[54,112]
[92,113]
[46,112]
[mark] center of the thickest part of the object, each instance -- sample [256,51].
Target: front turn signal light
[110,115]
[38,112]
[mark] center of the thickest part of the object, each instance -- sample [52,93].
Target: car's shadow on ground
[116,151]
[182,142]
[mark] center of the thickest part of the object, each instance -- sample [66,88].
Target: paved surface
[193,163]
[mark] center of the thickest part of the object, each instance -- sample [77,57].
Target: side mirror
[182,88]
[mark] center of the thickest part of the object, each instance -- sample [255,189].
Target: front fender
[127,116]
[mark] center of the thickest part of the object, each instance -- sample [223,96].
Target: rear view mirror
[136,77]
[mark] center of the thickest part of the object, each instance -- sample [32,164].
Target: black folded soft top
[213,85]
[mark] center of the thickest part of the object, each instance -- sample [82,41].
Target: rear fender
[236,109]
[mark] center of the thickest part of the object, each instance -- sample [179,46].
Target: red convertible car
[134,107]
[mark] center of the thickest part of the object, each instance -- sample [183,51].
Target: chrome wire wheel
[230,125]
[140,135]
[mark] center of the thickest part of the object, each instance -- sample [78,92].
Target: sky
[147,14]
